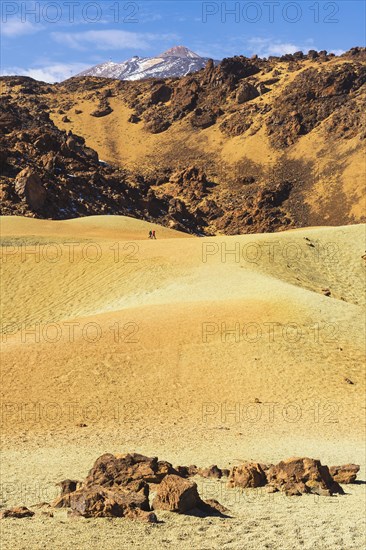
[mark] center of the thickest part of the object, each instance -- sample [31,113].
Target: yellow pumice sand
[210,350]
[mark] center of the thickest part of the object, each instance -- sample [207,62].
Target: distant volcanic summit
[175,62]
[181,51]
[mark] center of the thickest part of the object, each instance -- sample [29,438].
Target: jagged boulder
[249,474]
[111,470]
[297,476]
[246,92]
[98,501]
[176,495]
[313,96]
[29,187]
[103,110]
[344,474]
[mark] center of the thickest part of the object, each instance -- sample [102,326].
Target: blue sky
[53,40]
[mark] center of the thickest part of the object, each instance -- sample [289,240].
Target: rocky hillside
[249,145]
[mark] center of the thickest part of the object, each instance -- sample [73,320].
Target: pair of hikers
[152,235]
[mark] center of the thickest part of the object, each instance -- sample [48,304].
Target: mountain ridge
[176,62]
[249,146]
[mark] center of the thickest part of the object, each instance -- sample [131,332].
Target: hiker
[150,234]
[153,235]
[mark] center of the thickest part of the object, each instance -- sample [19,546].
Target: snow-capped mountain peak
[175,62]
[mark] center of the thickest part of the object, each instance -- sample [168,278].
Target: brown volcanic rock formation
[249,474]
[52,172]
[110,470]
[98,501]
[176,495]
[194,170]
[296,476]
[119,486]
[345,474]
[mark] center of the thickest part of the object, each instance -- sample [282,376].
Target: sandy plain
[197,350]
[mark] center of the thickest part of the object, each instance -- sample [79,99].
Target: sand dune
[210,350]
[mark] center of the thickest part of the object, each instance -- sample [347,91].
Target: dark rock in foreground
[118,486]
[176,495]
[297,476]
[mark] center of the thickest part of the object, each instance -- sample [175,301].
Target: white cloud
[109,39]
[149,18]
[264,47]
[48,73]
[337,52]
[15,27]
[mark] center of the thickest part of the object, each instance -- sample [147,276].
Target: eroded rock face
[176,495]
[311,98]
[297,476]
[249,474]
[184,98]
[29,187]
[345,474]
